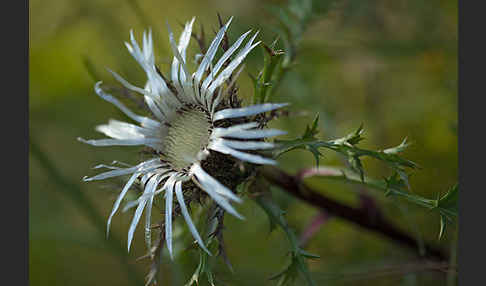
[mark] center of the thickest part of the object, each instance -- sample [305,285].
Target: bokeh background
[391,65]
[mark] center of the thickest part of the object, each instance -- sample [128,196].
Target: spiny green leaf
[311,132]
[351,139]
[307,141]
[204,267]
[264,83]
[395,181]
[293,20]
[448,209]
[297,263]
[443,222]
[205,263]
[394,185]
[274,213]
[403,175]
[450,199]
[356,165]
[346,146]
[398,149]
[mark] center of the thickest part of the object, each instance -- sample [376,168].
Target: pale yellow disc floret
[187,135]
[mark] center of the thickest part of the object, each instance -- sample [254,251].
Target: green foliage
[263,84]
[204,267]
[293,19]
[396,184]
[307,141]
[448,208]
[297,263]
[212,228]
[347,146]
[448,202]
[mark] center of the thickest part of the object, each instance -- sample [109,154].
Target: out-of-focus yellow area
[391,65]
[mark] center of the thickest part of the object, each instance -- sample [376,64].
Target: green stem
[339,175]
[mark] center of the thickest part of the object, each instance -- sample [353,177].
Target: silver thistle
[189,123]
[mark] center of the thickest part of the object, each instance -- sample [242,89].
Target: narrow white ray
[168,215]
[215,190]
[136,202]
[144,121]
[151,45]
[148,212]
[121,163]
[221,61]
[208,57]
[142,167]
[148,48]
[213,47]
[120,142]
[175,76]
[244,131]
[209,181]
[135,219]
[145,46]
[156,83]
[187,216]
[125,83]
[155,109]
[112,167]
[220,200]
[215,103]
[222,93]
[220,132]
[255,159]
[162,95]
[146,177]
[120,197]
[178,72]
[138,212]
[162,99]
[247,111]
[146,60]
[123,130]
[148,223]
[253,134]
[156,86]
[247,145]
[135,50]
[177,54]
[185,38]
[226,73]
[106,166]
[183,44]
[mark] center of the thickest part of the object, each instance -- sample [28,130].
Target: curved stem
[370,220]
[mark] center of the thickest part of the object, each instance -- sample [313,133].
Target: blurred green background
[391,65]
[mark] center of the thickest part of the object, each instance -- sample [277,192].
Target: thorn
[219,20]
[269,50]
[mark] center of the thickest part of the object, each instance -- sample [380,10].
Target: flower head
[192,130]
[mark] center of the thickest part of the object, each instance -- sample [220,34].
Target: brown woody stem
[362,217]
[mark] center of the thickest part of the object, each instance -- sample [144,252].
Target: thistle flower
[190,126]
